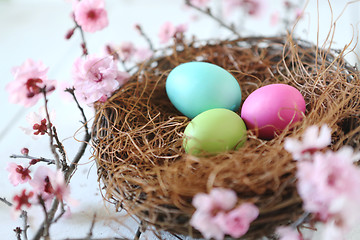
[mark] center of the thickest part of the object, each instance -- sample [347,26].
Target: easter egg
[214,131]
[270,109]
[195,87]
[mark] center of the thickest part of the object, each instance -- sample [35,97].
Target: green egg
[214,131]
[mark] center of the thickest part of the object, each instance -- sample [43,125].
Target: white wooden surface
[36,28]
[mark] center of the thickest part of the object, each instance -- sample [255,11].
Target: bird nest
[138,133]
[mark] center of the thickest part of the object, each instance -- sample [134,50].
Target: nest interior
[138,133]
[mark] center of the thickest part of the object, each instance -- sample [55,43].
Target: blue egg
[195,87]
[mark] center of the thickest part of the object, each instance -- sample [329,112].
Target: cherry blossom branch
[51,134]
[208,12]
[40,159]
[86,139]
[61,149]
[24,216]
[5,201]
[48,220]
[145,36]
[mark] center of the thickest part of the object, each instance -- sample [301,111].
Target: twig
[87,137]
[146,37]
[51,134]
[62,212]
[92,227]
[209,13]
[5,201]
[24,216]
[25,224]
[60,146]
[51,214]
[138,233]
[41,159]
[18,233]
[83,42]
[46,221]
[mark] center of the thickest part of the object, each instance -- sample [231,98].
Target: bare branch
[41,159]
[210,14]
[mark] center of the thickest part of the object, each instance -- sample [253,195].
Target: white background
[36,28]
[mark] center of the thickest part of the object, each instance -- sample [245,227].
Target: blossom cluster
[46,184]
[217,214]
[327,181]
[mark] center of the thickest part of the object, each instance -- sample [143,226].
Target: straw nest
[138,133]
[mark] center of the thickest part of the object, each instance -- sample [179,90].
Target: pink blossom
[312,141]
[253,8]
[288,233]
[95,77]
[218,199]
[18,174]
[91,15]
[205,223]
[167,31]
[127,51]
[200,3]
[328,177]
[35,118]
[49,184]
[22,199]
[207,207]
[181,28]
[237,222]
[274,18]
[143,54]
[30,79]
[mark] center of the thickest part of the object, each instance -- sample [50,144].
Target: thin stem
[208,12]
[25,224]
[51,134]
[41,159]
[92,227]
[146,37]
[60,146]
[86,139]
[51,214]
[46,221]
[5,201]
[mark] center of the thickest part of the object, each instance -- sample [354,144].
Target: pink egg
[270,109]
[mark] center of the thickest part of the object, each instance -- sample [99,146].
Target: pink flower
[237,222]
[327,178]
[95,77]
[143,54]
[30,79]
[23,199]
[18,174]
[274,18]
[219,199]
[200,3]
[49,184]
[34,119]
[167,31]
[207,207]
[312,141]
[288,233]
[204,222]
[91,15]
[127,51]
[253,8]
